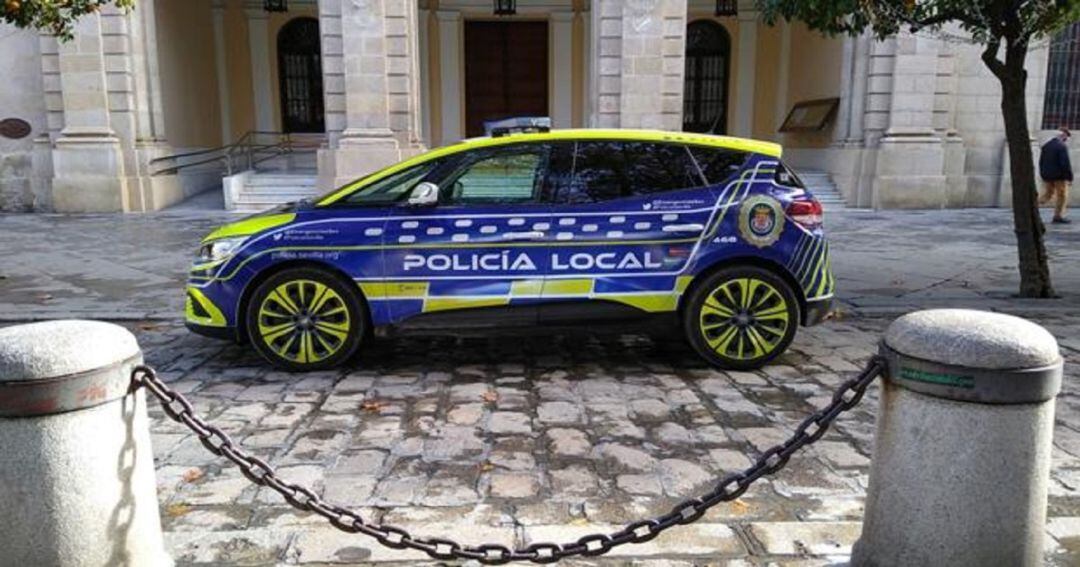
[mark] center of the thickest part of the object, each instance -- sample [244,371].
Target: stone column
[783,76]
[259,46]
[945,100]
[641,46]
[562,57]
[911,157]
[147,137]
[450,74]
[378,97]
[222,71]
[582,21]
[742,124]
[87,159]
[423,43]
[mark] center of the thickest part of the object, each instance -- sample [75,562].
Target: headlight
[219,250]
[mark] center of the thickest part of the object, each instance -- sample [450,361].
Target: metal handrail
[243,152]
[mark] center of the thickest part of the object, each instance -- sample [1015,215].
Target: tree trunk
[1034,267]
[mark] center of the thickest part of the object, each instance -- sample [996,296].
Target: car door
[626,219]
[477,258]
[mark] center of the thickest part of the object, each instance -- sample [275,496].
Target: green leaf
[56,17]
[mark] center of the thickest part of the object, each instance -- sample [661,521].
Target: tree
[54,16]
[994,24]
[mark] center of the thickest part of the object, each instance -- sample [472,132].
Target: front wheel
[305,319]
[741,318]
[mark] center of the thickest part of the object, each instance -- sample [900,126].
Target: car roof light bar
[517,125]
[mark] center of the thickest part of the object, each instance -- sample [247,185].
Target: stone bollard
[77,481]
[961,456]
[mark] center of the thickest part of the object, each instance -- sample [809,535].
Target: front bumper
[223,333]
[817,310]
[203,317]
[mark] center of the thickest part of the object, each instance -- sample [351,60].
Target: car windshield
[389,189]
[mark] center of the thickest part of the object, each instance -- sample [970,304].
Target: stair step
[821,185]
[271,194]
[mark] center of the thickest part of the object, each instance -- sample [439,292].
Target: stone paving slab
[517,441]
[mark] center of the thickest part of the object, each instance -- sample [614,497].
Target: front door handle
[684,228]
[531,235]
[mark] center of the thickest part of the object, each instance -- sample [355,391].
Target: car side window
[606,170]
[392,188]
[786,177]
[719,165]
[502,177]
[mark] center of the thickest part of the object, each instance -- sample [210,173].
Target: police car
[626,229]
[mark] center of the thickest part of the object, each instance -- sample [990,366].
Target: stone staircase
[823,188]
[251,192]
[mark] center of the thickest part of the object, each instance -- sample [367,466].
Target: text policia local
[522,262]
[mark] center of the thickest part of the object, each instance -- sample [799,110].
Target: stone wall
[19,66]
[639,45]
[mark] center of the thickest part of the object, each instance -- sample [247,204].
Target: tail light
[806,211]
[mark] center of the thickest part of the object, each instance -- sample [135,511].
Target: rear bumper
[817,310]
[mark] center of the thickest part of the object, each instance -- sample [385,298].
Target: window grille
[1062,102]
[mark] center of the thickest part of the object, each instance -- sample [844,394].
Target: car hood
[254,224]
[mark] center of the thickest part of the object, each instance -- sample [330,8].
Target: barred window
[1062,103]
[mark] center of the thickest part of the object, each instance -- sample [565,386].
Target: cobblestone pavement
[518,441]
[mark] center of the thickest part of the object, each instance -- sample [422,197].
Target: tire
[740,318]
[303,319]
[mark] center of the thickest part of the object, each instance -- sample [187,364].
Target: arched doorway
[300,76]
[705,90]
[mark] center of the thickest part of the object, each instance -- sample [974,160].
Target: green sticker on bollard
[967,384]
[954,380]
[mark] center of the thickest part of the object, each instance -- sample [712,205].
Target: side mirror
[424,195]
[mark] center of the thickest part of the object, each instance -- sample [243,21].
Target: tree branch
[989,57]
[942,17]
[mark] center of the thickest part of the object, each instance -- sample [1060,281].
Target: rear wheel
[306,319]
[741,318]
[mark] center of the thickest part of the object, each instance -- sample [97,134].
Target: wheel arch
[259,278]
[753,261]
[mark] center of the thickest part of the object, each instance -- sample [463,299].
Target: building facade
[910,122]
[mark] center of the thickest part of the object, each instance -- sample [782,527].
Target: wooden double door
[506,71]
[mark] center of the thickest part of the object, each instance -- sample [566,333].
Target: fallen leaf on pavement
[177,510]
[191,475]
[374,406]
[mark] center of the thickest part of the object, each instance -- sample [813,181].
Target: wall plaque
[14,128]
[810,115]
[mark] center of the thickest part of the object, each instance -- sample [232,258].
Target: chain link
[302,498]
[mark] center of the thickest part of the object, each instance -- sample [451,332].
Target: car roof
[706,140]
[625,135]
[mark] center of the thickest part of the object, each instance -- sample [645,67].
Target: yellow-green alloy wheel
[741,318]
[304,319]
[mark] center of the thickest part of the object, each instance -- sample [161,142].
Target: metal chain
[302,498]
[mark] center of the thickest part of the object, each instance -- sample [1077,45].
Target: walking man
[1057,175]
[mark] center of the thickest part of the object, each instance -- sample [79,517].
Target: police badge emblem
[761,220]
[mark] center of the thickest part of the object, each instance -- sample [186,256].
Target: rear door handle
[684,228]
[531,235]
